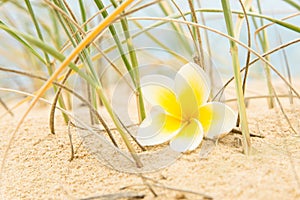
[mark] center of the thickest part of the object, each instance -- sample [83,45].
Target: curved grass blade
[64,64]
[16,35]
[293,3]
[237,77]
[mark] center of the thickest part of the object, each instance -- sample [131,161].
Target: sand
[38,166]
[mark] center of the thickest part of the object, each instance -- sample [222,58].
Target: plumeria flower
[180,112]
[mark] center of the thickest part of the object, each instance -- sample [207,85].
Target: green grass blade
[39,33]
[293,3]
[253,14]
[83,14]
[49,66]
[15,35]
[71,31]
[114,34]
[265,47]
[134,64]
[43,46]
[237,77]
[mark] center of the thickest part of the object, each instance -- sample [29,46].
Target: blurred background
[13,55]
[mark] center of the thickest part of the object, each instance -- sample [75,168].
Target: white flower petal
[159,90]
[189,137]
[192,89]
[157,128]
[216,118]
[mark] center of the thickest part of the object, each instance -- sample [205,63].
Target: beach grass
[63,39]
